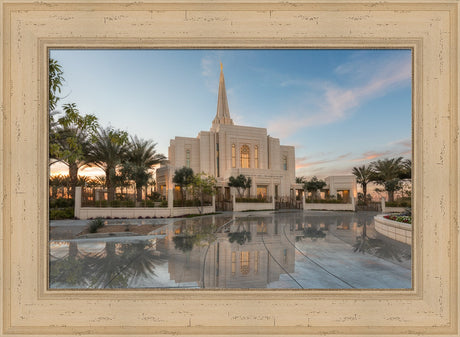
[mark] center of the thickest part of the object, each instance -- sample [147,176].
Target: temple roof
[223,113]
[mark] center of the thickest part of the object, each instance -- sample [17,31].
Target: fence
[93,203]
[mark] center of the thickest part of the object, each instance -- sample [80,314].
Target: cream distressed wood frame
[29,29]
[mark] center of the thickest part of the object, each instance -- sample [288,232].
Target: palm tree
[364,175]
[71,138]
[141,157]
[387,173]
[406,169]
[108,152]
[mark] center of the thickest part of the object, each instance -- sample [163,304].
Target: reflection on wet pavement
[306,250]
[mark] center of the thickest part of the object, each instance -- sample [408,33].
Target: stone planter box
[395,230]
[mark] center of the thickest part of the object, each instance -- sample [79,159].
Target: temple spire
[223,113]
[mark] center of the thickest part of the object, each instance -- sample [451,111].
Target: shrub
[164,203]
[128,203]
[102,203]
[61,203]
[61,213]
[95,224]
[148,203]
[115,203]
[251,200]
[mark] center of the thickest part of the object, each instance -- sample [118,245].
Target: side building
[230,150]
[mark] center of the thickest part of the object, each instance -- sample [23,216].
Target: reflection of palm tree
[142,259]
[377,247]
[107,268]
[114,269]
[68,270]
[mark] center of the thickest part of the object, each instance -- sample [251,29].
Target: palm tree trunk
[109,185]
[365,193]
[139,193]
[73,174]
[391,196]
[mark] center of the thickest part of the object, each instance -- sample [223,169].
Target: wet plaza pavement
[291,249]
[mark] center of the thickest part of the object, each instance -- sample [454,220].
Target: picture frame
[30,29]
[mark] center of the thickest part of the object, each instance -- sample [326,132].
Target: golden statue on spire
[221,66]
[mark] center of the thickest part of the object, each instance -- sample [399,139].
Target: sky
[339,108]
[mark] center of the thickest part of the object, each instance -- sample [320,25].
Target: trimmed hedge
[61,213]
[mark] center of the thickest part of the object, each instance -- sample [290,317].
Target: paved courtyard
[291,249]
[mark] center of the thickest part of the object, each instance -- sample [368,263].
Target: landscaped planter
[395,230]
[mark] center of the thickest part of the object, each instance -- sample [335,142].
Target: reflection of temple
[254,264]
[267,253]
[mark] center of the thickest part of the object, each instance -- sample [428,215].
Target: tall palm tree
[109,151]
[141,158]
[71,139]
[387,173]
[364,175]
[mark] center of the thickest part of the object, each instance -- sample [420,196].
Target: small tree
[183,177]
[202,185]
[241,183]
[300,180]
[313,186]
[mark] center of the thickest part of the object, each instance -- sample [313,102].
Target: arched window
[187,158]
[285,163]
[256,156]
[244,156]
[233,155]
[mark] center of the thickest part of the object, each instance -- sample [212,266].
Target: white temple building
[230,150]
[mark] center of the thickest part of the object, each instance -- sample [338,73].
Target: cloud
[405,143]
[303,162]
[335,103]
[370,155]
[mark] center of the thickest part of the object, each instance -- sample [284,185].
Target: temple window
[244,263]
[244,156]
[256,156]
[233,155]
[285,163]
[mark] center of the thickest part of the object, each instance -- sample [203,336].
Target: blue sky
[339,108]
